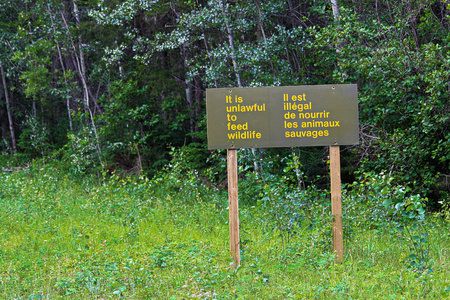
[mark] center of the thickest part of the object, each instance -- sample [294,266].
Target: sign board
[289,116]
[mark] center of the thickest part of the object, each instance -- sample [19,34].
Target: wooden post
[336,207]
[233,204]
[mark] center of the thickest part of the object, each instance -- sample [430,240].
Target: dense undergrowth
[130,237]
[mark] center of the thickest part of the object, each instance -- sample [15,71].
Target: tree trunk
[233,49]
[82,73]
[80,59]
[340,43]
[8,110]
[188,90]
[336,10]
[3,125]
[207,51]
[262,34]
[69,113]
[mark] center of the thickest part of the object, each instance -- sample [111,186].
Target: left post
[233,204]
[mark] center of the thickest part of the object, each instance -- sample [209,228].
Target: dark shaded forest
[120,85]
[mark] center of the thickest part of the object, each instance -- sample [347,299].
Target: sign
[290,116]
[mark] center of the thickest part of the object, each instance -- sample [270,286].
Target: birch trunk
[188,90]
[336,10]
[8,110]
[82,71]
[61,61]
[340,43]
[233,49]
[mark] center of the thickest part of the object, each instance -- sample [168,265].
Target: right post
[336,206]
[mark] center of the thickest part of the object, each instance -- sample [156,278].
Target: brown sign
[290,116]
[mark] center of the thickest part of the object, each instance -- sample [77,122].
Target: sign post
[336,207]
[233,205]
[287,116]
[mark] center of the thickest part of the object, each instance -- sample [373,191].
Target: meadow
[130,237]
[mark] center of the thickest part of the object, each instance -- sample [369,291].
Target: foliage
[34,137]
[374,200]
[133,75]
[135,130]
[400,62]
[82,152]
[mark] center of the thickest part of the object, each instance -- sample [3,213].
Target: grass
[167,238]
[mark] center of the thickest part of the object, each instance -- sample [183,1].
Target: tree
[8,44]
[126,79]
[396,55]
[8,109]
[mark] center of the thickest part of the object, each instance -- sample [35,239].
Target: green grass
[168,239]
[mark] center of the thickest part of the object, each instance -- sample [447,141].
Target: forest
[104,86]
